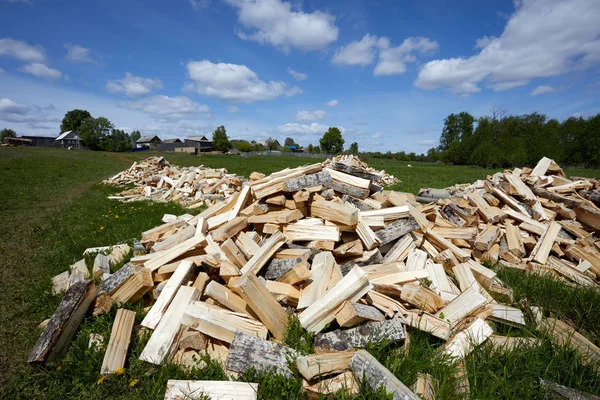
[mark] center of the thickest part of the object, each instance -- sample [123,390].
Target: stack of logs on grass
[353,165]
[354,264]
[155,179]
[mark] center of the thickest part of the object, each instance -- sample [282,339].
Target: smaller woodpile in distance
[157,180]
[352,262]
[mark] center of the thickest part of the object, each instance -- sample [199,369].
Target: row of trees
[502,140]
[98,133]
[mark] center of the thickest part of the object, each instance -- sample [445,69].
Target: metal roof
[147,139]
[65,135]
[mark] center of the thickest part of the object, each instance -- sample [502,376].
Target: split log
[163,343]
[334,212]
[352,314]
[114,358]
[219,323]
[64,322]
[113,282]
[397,229]
[323,364]
[262,302]
[371,332]
[352,287]
[260,258]
[367,368]
[212,390]
[167,294]
[279,267]
[248,352]
[466,340]
[306,181]
[134,288]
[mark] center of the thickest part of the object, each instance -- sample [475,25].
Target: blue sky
[386,72]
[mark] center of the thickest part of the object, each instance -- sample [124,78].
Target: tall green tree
[134,137]
[74,119]
[271,144]
[95,133]
[6,132]
[353,148]
[220,141]
[289,142]
[332,141]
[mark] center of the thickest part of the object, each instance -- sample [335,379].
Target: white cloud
[302,129]
[392,60]
[316,115]
[542,90]
[233,82]
[299,76]
[41,71]
[199,4]
[361,52]
[78,54]
[377,135]
[542,38]
[21,50]
[33,116]
[428,142]
[284,26]
[2,71]
[332,103]
[168,108]
[234,109]
[133,86]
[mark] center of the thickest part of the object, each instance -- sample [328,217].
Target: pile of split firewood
[155,179]
[352,262]
[353,165]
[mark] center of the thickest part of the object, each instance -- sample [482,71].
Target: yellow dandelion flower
[119,371]
[116,216]
[101,228]
[101,380]
[134,382]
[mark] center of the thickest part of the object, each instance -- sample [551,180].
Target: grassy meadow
[52,207]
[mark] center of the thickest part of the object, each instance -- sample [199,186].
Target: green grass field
[52,208]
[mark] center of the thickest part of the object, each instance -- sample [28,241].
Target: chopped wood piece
[220,323]
[300,232]
[375,375]
[321,269]
[509,343]
[352,287]
[102,304]
[427,323]
[466,340]
[334,212]
[371,332]
[323,364]
[279,267]
[213,390]
[114,358]
[425,387]
[114,281]
[276,217]
[64,322]
[262,302]
[167,294]
[462,306]
[366,234]
[352,314]
[542,250]
[422,297]
[60,283]
[163,343]
[193,340]
[266,251]
[397,229]
[345,382]
[134,288]
[487,238]
[223,295]
[562,392]
[174,252]
[229,229]
[251,352]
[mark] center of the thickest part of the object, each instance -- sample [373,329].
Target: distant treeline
[506,141]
